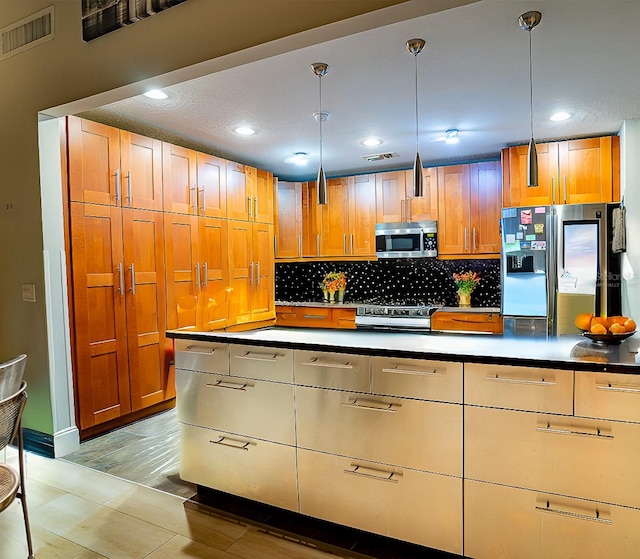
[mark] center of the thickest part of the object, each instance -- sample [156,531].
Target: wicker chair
[12,482]
[11,373]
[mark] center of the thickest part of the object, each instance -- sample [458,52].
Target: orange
[583,321]
[603,320]
[597,328]
[630,325]
[617,319]
[616,328]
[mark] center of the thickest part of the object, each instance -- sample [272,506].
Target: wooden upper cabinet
[263,197]
[211,173]
[288,223]
[334,219]
[391,196]
[179,179]
[239,190]
[241,271]
[455,211]
[424,208]
[362,216]
[486,207]
[310,220]
[141,171]
[263,287]
[569,172]
[94,162]
[213,302]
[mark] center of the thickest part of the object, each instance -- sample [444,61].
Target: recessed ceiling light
[371,142]
[155,94]
[298,158]
[451,136]
[245,130]
[562,115]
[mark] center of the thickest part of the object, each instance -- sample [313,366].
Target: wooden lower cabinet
[406,504]
[315,317]
[443,321]
[502,522]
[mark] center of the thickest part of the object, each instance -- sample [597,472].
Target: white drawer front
[504,522]
[405,504]
[208,357]
[409,433]
[332,370]
[261,362]
[608,395]
[584,458]
[254,469]
[417,378]
[247,406]
[520,388]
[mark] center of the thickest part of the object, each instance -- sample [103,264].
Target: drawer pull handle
[200,349]
[412,371]
[541,382]
[254,356]
[316,316]
[230,385]
[371,405]
[597,435]
[315,362]
[595,517]
[372,473]
[618,388]
[238,445]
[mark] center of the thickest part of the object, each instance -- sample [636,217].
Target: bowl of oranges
[603,329]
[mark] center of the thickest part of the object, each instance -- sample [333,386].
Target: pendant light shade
[415,46]
[320,69]
[527,22]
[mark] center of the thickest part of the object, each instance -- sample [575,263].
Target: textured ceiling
[472,75]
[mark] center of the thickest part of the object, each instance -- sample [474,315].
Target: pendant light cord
[320,118]
[415,56]
[530,86]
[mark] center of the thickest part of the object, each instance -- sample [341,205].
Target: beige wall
[54,77]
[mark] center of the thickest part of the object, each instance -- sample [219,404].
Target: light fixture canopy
[559,116]
[451,136]
[320,69]
[155,94]
[527,22]
[371,142]
[244,130]
[415,47]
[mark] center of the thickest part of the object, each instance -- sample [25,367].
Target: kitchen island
[480,446]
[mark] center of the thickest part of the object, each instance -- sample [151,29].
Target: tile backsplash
[391,281]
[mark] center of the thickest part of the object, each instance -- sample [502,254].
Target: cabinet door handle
[205,274]
[475,246]
[133,279]
[117,184]
[344,243]
[233,443]
[618,388]
[198,275]
[299,245]
[121,278]
[541,382]
[128,198]
[351,250]
[372,473]
[399,371]
[318,244]
[315,362]
[203,207]
[595,517]
[258,272]
[229,385]
[200,349]
[565,188]
[466,239]
[251,273]
[371,405]
[193,200]
[597,435]
[316,316]
[553,191]
[255,356]
[249,205]
[255,207]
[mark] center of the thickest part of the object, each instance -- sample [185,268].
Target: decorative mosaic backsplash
[391,281]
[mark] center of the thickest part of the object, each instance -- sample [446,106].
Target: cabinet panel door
[332,370]
[102,371]
[486,207]
[608,396]
[239,191]
[391,197]
[207,357]
[263,287]
[514,523]
[94,162]
[183,287]
[424,208]
[141,163]
[179,179]
[310,220]
[212,185]
[274,364]
[454,235]
[289,220]
[516,192]
[263,197]
[334,217]
[586,172]
[146,308]
[241,271]
[362,216]
[213,250]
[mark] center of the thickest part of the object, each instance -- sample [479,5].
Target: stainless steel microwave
[418,239]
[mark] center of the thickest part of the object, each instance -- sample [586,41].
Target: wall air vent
[26,33]
[379,156]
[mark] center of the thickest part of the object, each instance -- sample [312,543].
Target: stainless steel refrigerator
[556,263]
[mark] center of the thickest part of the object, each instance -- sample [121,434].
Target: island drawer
[332,370]
[520,388]
[209,357]
[405,504]
[261,362]
[255,469]
[410,433]
[502,521]
[251,407]
[585,458]
[608,395]
[417,378]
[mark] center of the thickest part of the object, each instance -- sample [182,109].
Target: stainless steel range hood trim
[408,254]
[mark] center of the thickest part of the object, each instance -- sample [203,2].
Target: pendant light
[320,69]
[415,46]
[527,22]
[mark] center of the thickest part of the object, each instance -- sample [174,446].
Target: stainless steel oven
[409,318]
[418,239]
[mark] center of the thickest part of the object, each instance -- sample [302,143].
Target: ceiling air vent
[26,33]
[380,156]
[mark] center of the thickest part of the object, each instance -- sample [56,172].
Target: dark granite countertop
[564,352]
